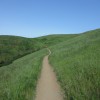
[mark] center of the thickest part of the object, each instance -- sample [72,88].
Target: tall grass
[14,47]
[18,80]
[77,65]
[51,40]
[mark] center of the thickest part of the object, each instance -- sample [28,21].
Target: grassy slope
[76,63]
[51,40]
[18,80]
[13,47]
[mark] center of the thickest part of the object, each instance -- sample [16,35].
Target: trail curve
[48,87]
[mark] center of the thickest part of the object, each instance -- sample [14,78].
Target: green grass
[75,58]
[18,80]
[77,65]
[51,40]
[14,47]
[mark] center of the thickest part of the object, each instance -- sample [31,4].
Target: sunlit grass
[18,80]
[77,65]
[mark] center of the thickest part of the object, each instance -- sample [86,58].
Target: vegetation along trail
[47,87]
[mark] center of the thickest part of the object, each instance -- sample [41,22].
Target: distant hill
[13,47]
[54,39]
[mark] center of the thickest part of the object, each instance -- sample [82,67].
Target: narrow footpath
[47,87]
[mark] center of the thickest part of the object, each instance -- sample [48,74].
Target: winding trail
[47,87]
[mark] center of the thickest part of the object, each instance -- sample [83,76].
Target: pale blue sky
[33,18]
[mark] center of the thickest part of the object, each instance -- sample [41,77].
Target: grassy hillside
[13,47]
[51,40]
[75,59]
[77,65]
[18,80]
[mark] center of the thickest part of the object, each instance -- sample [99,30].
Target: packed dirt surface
[47,87]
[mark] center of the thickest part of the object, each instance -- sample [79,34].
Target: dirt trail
[48,88]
